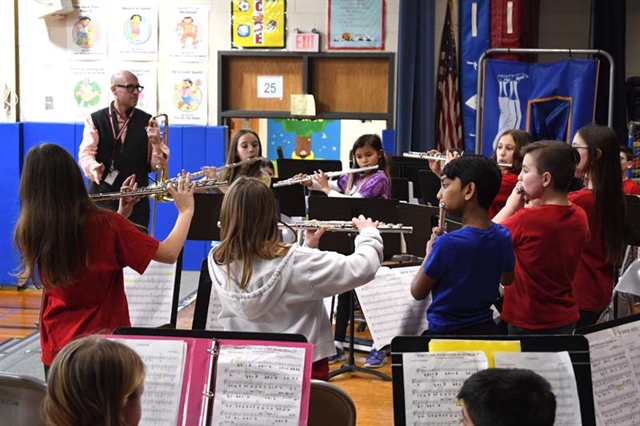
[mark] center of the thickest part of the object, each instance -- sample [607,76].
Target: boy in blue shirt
[463,269]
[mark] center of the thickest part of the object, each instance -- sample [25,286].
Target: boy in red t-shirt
[629,186]
[547,240]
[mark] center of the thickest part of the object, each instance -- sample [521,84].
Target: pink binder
[197,398]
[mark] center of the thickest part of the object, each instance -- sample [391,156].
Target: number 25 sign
[270,86]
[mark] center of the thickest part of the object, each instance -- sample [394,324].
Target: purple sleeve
[377,186]
[342,182]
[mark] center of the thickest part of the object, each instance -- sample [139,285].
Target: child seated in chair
[463,269]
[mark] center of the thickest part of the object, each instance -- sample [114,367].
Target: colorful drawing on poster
[258,23]
[188,32]
[137,29]
[187,95]
[86,32]
[304,139]
[87,93]
[356,24]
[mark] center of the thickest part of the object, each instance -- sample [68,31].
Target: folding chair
[330,405]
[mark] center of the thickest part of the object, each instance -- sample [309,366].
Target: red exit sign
[306,42]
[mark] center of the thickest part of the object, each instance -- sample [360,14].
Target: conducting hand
[182,193]
[312,236]
[361,222]
[125,206]
[97,172]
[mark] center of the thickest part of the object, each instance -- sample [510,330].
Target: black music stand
[409,168]
[400,188]
[204,224]
[576,346]
[291,199]
[288,167]
[338,208]
[430,186]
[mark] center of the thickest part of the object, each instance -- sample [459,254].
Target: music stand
[576,346]
[409,168]
[419,216]
[204,224]
[288,167]
[429,185]
[400,188]
[292,199]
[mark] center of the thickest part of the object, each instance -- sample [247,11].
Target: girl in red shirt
[77,250]
[603,201]
[508,151]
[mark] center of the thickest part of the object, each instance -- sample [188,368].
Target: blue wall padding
[191,148]
[10,138]
[389,141]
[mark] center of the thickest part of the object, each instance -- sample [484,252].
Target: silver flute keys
[154,189]
[293,180]
[425,156]
[442,224]
[199,174]
[345,226]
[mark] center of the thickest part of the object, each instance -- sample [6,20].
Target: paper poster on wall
[356,24]
[148,78]
[88,90]
[87,31]
[133,34]
[186,30]
[258,23]
[187,89]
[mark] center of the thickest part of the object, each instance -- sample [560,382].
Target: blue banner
[475,35]
[549,100]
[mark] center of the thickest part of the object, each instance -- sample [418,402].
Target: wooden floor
[373,397]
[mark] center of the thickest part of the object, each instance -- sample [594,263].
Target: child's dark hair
[507,397]
[628,152]
[521,139]
[556,158]
[482,171]
[265,163]
[374,142]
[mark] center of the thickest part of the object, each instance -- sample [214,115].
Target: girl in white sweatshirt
[266,286]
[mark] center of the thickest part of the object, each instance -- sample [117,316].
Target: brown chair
[330,405]
[22,398]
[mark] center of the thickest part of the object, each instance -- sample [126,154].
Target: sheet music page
[150,295]
[213,311]
[629,336]
[615,389]
[556,367]
[258,385]
[432,382]
[164,361]
[389,308]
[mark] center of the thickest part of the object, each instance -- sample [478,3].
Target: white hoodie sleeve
[329,273]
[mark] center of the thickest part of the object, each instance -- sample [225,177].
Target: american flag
[449,131]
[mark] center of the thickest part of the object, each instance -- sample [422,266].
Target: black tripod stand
[350,366]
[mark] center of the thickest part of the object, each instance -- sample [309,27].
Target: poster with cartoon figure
[148,78]
[304,139]
[187,32]
[86,32]
[133,34]
[188,96]
[88,90]
[258,24]
[356,24]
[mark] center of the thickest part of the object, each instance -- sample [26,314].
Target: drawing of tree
[303,128]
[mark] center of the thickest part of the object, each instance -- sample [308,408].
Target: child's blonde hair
[248,227]
[90,381]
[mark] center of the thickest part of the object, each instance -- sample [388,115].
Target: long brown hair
[521,139]
[90,381]
[374,142]
[605,176]
[248,227]
[54,206]
[253,170]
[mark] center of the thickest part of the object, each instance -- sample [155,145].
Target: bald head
[121,83]
[122,77]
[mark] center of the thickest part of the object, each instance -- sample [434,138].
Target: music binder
[222,381]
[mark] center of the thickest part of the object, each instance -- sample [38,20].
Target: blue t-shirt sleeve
[436,264]
[509,255]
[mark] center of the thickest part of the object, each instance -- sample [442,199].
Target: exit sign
[306,42]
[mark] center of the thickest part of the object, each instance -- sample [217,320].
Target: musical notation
[164,361]
[388,306]
[436,378]
[150,295]
[556,367]
[213,311]
[258,385]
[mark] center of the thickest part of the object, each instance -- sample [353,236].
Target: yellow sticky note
[487,346]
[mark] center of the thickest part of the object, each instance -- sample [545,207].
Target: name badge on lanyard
[113,172]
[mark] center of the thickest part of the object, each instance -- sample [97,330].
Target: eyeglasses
[131,87]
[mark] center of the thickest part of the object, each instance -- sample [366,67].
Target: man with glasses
[115,145]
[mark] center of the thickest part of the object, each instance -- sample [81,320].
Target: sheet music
[389,308]
[556,367]
[615,388]
[629,336]
[164,361]
[150,295]
[432,381]
[258,385]
[213,311]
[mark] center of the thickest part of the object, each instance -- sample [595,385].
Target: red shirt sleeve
[509,181]
[629,187]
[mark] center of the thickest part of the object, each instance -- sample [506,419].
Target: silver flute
[294,180]
[442,224]
[200,173]
[345,226]
[425,156]
[154,189]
